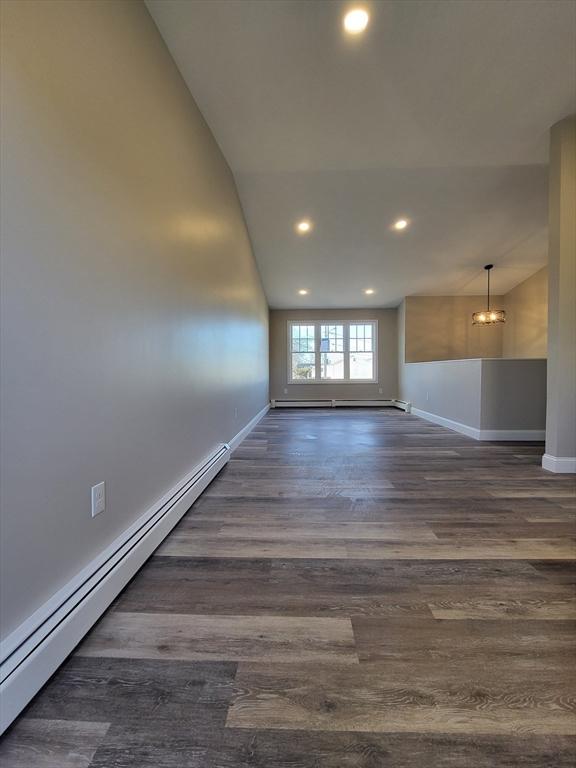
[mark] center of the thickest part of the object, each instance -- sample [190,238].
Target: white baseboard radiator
[383,403]
[34,651]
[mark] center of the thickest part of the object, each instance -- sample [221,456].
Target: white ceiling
[439,113]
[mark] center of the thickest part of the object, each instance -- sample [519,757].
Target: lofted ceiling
[438,113]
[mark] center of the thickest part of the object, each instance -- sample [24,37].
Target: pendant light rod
[488,267]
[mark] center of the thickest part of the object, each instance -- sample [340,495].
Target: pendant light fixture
[489,316]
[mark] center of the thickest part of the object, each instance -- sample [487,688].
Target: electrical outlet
[380,391]
[427,396]
[285,391]
[98,498]
[235,413]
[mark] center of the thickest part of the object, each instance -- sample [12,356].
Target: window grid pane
[332,338]
[303,338]
[332,366]
[303,366]
[361,337]
[361,365]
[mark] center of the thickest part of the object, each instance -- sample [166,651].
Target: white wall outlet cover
[98,498]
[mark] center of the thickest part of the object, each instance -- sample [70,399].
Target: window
[361,351]
[303,352]
[331,352]
[335,351]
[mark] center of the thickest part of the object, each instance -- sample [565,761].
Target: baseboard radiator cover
[339,403]
[35,650]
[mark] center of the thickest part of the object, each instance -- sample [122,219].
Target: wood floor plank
[189,544]
[246,748]
[51,743]
[563,572]
[147,746]
[271,488]
[187,637]
[558,602]
[385,531]
[407,639]
[354,511]
[404,698]
[476,549]
[296,587]
[132,691]
[493,572]
[536,492]
[536,530]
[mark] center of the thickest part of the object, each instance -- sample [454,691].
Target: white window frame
[346,323]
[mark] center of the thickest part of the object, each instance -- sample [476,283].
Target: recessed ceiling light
[304,226]
[400,224]
[369,291]
[356,21]
[303,291]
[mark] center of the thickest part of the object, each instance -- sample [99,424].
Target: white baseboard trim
[562,464]
[235,442]
[494,435]
[456,426]
[35,650]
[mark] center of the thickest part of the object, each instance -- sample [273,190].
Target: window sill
[298,382]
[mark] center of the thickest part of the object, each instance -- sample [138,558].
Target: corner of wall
[401,333]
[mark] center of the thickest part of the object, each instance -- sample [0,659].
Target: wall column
[560,453]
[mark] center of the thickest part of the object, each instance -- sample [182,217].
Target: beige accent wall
[526,329]
[134,325]
[280,389]
[440,328]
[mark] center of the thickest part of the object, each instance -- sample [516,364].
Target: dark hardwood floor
[357,589]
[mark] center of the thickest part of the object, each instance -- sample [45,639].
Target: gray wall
[134,326]
[526,328]
[447,388]
[483,394]
[513,394]
[561,411]
[401,351]
[387,356]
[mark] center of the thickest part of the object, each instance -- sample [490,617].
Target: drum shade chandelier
[488,316]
